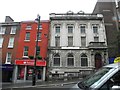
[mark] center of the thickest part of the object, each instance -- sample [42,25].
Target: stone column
[25,72]
[44,71]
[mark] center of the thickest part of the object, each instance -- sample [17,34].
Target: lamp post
[34,68]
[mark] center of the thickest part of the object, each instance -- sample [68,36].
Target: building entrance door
[98,61]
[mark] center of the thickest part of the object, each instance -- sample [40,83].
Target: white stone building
[77,44]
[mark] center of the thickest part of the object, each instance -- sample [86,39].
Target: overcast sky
[24,10]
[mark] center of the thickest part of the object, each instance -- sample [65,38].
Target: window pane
[1,41]
[96,39]
[38,50]
[26,51]
[84,61]
[11,42]
[70,41]
[82,28]
[39,36]
[27,37]
[95,29]
[8,58]
[57,41]
[13,30]
[83,41]
[56,60]
[57,29]
[2,30]
[28,27]
[70,29]
[70,60]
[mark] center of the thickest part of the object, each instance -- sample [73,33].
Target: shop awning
[30,62]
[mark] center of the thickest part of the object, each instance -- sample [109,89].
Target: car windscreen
[88,81]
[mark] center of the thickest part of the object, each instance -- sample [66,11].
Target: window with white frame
[83,41]
[70,29]
[56,59]
[28,27]
[95,29]
[82,29]
[2,30]
[1,42]
[40,27]
[84,60]
[38,50]
[70,41]
[8,58]
[57,29]
[27,36]
[13,30]
[70,60]
[25,52]
[39,36]
[57,41]
[11,42]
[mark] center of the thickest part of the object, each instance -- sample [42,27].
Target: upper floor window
[95,29]
[25,52]
[1,42]
[27,36]
[38,50]
[57,41]
[57,29]
[2,30]
[84,61]
[82,29]
[70,60]
[39,36]
[11,42]
[70,29]
[56,59]
[83,41]
[28,27]
[8,58]
[40,27]
[13,30]
[96,39]
[70,41]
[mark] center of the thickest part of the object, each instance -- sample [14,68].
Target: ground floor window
[25,72]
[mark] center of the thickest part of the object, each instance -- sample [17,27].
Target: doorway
[98,61]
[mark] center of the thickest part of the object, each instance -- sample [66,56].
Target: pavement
[39,83]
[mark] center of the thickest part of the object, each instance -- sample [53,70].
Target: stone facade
[76,59]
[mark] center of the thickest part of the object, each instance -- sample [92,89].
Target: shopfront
[7,72]
[24,68]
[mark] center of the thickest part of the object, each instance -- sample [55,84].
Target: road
[53,87]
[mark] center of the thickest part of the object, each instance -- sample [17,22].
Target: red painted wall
[43,43]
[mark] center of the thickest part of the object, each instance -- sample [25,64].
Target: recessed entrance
[98,61]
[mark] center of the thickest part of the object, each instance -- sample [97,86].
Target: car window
[94,77]
[114,80]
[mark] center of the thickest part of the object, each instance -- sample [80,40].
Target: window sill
[10,46]
[27,40]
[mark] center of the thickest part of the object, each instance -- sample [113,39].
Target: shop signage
[30,62]
[7,67]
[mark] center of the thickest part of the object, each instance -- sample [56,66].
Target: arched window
[70,60]
[84,60]
[56,59]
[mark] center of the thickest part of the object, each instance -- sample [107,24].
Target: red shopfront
[24,68]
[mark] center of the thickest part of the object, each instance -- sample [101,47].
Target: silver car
[106,78]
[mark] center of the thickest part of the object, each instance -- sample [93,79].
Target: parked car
[106,78]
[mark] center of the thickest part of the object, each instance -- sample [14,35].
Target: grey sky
[22,10]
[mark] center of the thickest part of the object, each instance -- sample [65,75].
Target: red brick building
[9,34]
[26,50]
